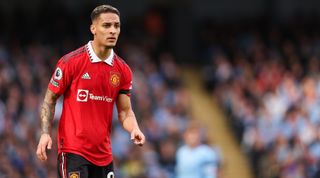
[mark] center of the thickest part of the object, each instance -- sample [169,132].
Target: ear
[93,29]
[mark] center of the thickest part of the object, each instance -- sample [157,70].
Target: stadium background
[247,70]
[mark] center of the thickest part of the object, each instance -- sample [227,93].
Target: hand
[137,137]
[45,142]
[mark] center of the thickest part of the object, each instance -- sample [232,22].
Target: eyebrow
[117,23]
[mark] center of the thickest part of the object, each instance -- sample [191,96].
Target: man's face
[106,29]
[192,138]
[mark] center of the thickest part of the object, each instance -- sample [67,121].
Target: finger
[38,152]
[137,137]
[49,145]
[140,140]
[139,143]
[132,136]
[43,152]
[140,137]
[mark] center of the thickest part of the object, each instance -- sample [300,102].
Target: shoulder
[206,148]
[119,61]
[208,151]
[182,150]
[75,54]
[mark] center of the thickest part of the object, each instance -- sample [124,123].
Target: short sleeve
[126,83]
[61,77]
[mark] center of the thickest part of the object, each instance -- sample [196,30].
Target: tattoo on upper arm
[47,111]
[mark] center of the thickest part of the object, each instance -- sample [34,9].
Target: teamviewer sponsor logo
[100,98]
[82,95]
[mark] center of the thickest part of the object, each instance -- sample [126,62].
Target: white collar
[94,58]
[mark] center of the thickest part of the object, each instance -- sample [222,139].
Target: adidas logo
[86,76]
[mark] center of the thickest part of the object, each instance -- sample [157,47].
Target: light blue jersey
[199,162]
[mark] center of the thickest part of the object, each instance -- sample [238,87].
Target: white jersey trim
[94,58]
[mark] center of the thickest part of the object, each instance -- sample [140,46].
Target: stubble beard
[110,46]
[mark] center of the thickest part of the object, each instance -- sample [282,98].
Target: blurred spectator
[196,159]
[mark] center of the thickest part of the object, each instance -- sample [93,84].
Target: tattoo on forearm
[46,115]
[47,111]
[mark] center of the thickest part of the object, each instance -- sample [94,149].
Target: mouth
[111,38]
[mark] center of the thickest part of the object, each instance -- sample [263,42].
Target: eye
[117,25]
[106,25]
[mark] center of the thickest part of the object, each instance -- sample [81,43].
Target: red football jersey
[90,87]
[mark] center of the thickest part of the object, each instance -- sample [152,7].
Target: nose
[113,30]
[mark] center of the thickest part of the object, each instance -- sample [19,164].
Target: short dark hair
[103,9]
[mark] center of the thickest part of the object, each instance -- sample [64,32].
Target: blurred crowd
[266,78]
[159,99]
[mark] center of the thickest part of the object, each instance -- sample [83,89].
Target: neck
[101,51]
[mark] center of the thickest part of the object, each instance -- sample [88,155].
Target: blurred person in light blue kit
[196,159]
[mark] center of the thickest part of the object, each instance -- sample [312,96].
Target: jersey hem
[97,163]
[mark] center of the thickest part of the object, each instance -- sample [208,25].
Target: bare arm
[47,111]
[46,116]
[128,119]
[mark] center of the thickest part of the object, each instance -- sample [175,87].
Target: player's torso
[89,97]
[88,103]
[94,83]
